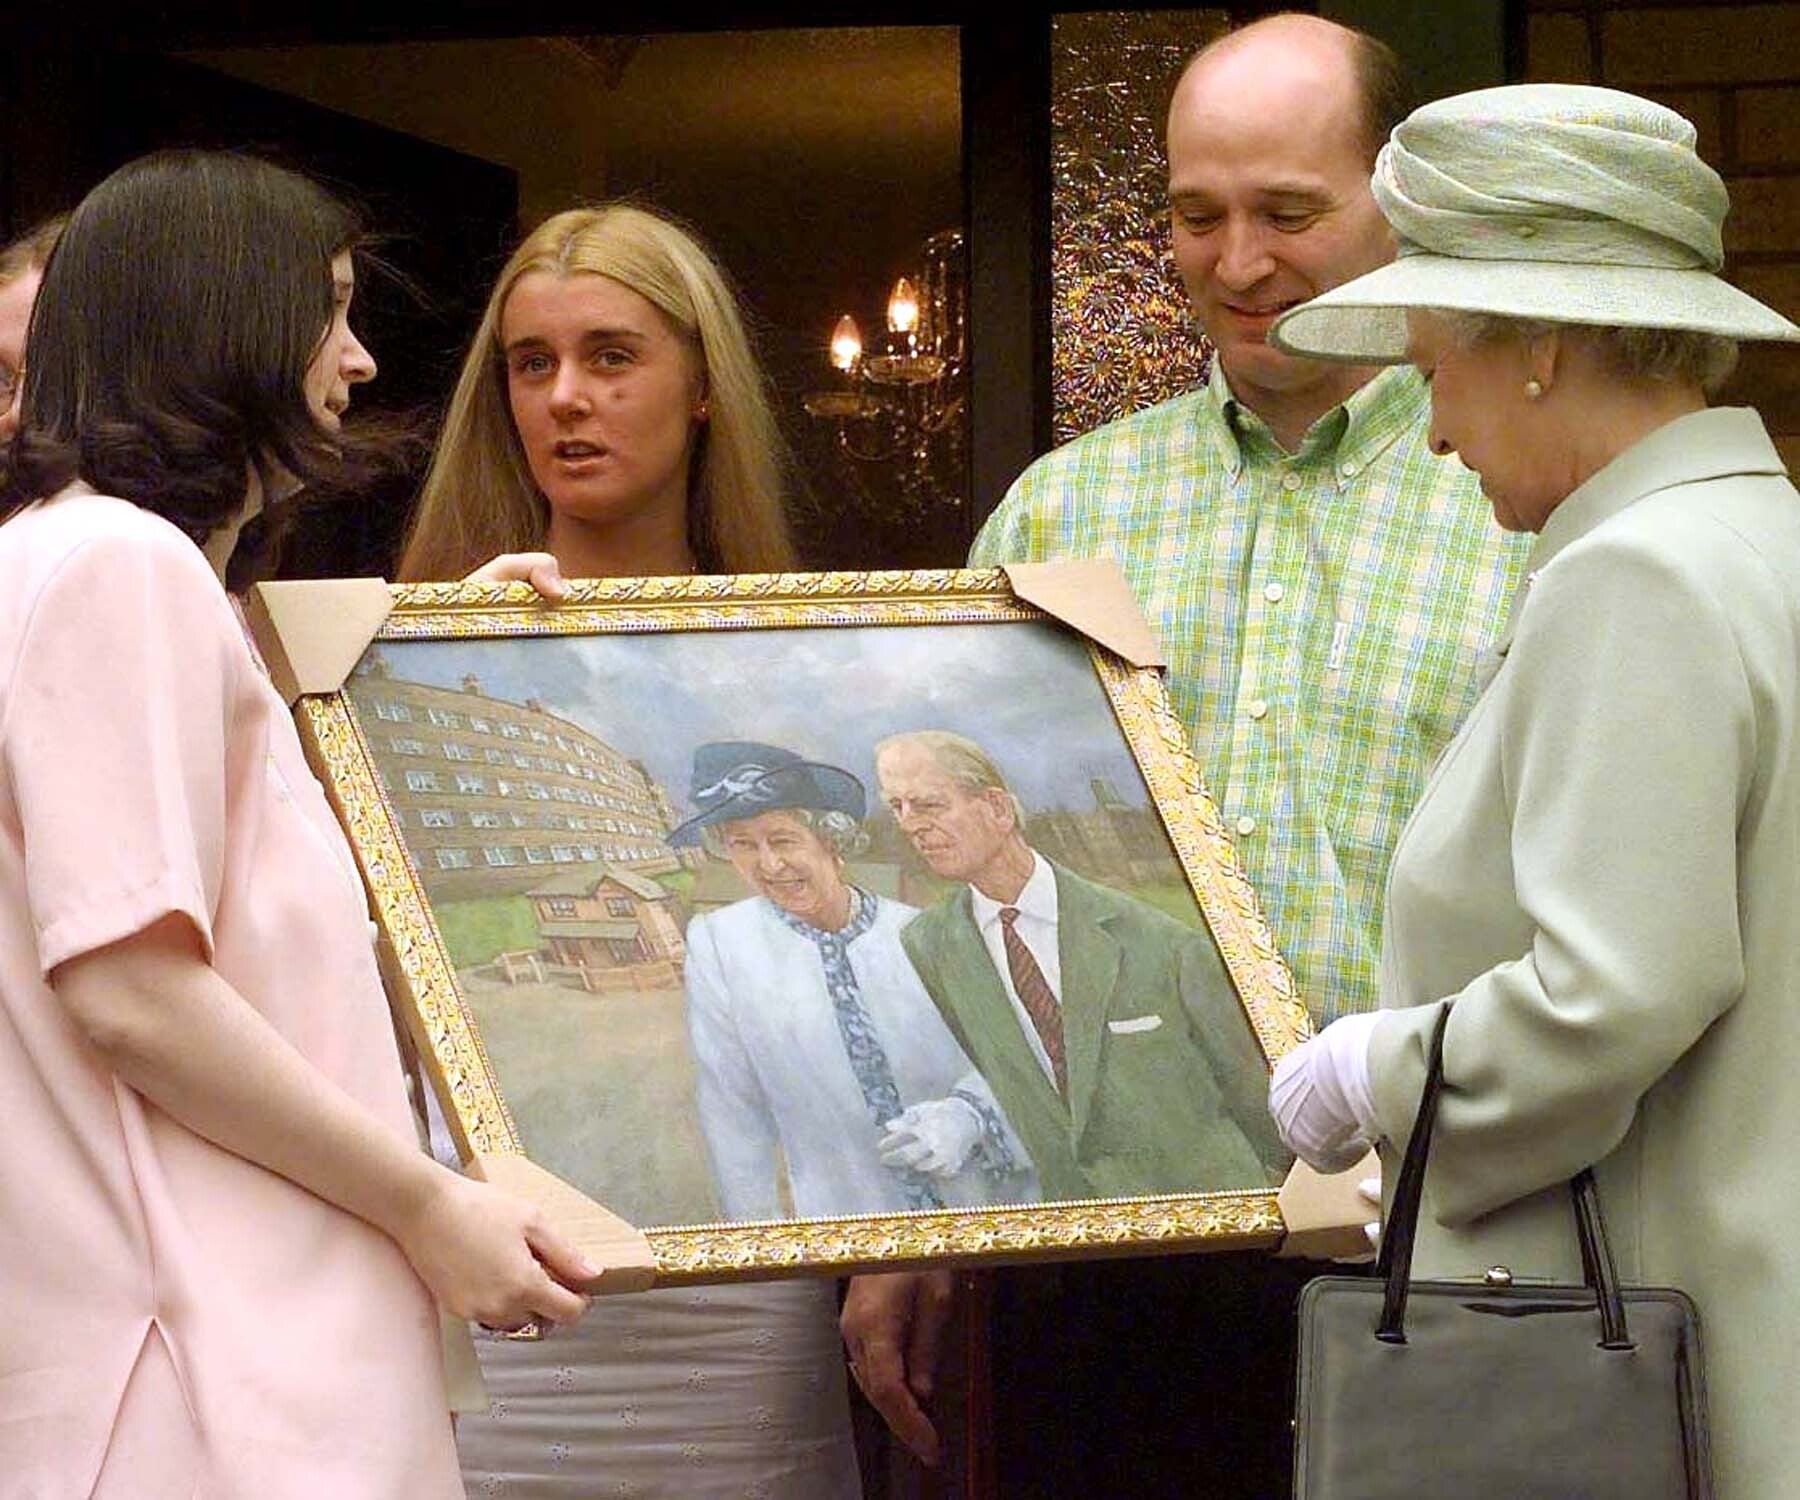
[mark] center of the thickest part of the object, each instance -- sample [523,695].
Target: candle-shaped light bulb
[846,344]
[903,307]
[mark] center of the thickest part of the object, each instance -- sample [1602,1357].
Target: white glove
[936,1137]
[1369,1189]
[1320,1095]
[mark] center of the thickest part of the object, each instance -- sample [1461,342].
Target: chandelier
[903,404]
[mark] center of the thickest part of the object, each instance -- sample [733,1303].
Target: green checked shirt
[1322,613]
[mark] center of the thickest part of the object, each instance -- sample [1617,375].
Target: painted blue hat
[736,779]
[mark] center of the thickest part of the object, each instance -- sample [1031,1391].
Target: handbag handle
[1395,1261]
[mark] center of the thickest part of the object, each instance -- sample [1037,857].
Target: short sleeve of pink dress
[147,767]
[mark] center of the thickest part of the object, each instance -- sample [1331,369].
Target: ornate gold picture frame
[681,887]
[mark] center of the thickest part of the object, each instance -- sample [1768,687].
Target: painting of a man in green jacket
[1109,1031]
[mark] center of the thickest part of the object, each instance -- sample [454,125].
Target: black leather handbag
[1491,1390]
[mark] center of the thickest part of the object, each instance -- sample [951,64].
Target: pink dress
[174,1320]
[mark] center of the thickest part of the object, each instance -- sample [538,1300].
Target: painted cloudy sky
[1024,691]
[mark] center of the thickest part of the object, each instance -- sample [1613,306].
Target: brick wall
[1734,70]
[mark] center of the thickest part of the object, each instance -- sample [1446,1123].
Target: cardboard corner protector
[619,1249]
[312,632]
[1090,595]
[1325,1215]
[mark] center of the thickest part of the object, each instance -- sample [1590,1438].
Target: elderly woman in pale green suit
[1602,878]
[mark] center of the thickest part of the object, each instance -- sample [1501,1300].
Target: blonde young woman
[610,415]
[611,419]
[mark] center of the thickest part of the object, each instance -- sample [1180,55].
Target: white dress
[685,1393]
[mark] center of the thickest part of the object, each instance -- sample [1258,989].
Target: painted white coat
[775,1083]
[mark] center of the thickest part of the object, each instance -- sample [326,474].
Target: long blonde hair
[479,498]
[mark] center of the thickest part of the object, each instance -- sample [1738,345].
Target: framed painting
[816,921]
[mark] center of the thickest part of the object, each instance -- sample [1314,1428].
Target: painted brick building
[492,796]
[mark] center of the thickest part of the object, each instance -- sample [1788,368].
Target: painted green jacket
[1168,1091]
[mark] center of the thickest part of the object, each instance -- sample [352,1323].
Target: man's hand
[536,568]
[893,1325]
[936,1137]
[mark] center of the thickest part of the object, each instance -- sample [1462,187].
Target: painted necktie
[1034,994]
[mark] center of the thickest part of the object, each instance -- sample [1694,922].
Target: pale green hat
[1547,201]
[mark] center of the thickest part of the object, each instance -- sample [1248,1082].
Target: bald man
[1323,586]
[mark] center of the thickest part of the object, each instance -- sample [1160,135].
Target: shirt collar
[1701,445]
[1038,899]
[1349,437]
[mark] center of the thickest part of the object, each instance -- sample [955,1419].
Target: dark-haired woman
[219,1242]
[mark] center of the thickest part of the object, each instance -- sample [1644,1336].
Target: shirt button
[1257,708]
[1246,825]
[1346,469]
[1273,592]
[1290,480]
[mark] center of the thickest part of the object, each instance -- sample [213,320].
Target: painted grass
[602,1089]
[476,929]
[680,882]
[1174,898]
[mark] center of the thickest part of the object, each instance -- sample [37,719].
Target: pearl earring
[1533,390]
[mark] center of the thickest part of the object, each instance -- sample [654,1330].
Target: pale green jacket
[1604,872]
[1167,1089]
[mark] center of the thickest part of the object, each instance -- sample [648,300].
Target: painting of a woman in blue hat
[827,1081]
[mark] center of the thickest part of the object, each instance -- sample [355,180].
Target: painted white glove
[1320,1095]
[936,1137]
